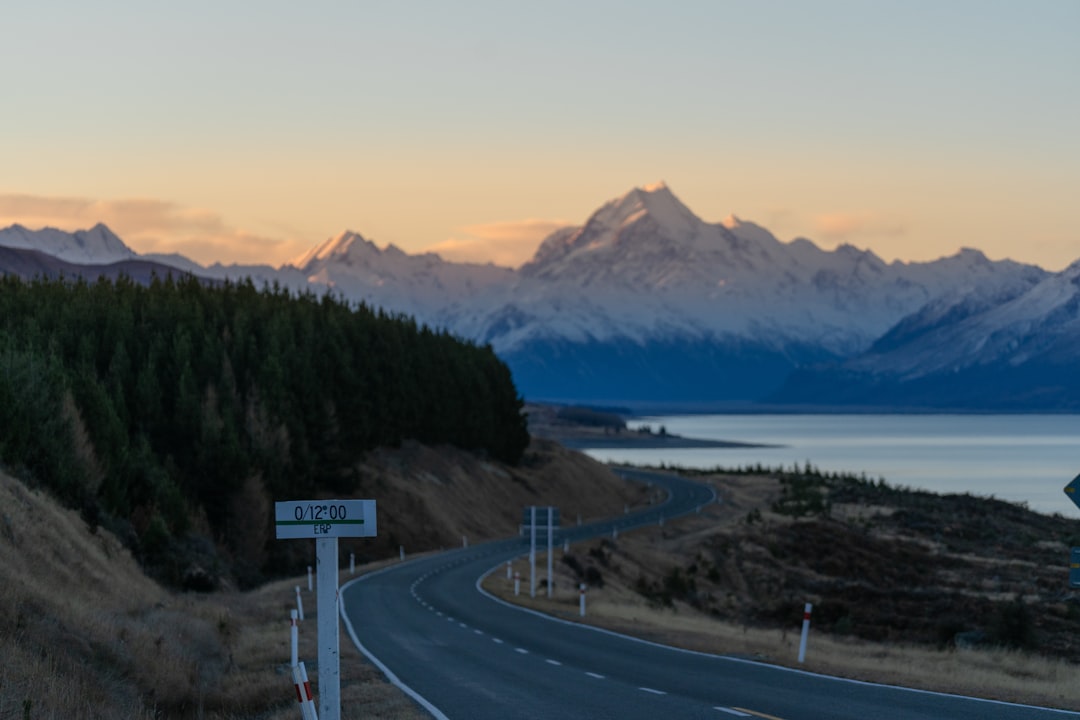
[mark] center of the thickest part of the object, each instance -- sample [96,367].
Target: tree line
[157,406]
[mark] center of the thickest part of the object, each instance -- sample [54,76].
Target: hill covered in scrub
[173,412]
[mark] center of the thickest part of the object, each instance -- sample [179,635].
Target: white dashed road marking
[553,662]
[651,690]
[598,676]
[523,651]
[729,711]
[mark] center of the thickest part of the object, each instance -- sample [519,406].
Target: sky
[250,132]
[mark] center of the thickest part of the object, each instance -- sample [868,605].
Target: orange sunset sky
[244,132]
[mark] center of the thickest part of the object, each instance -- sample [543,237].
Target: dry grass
[650,552]
[85,634]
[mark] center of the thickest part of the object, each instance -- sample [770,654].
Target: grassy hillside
[946,592]
[85,634]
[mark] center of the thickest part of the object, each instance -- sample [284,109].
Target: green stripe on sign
[318,522]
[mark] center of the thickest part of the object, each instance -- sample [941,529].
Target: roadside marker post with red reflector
[303,692]
[294,639]
[805,631]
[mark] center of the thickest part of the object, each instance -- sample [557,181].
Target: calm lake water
[1020,458]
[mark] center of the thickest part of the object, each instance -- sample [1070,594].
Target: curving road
[463,654]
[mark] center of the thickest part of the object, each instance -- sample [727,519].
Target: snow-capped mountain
[422,285]
[96,246]
[646,301]
[1017,349]
[645,266]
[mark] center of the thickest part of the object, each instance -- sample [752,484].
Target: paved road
[465,655]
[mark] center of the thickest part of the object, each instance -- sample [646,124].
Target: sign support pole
[326,558]
[551,546]
[325,521]
[532,552]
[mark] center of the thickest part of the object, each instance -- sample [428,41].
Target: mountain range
[646,303]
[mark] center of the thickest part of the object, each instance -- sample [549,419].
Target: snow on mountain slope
[1015,326]
[96,246]
[644,267]
[422,285]
[647,284]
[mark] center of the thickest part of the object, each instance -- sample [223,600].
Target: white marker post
[509,572]
[309,585]
[401,551]
[299,603]
[325,521]
[303,693]
[532,551]
[352,563]
[307,702]
[294,639]
[805,631]
[517,584]
[581,589]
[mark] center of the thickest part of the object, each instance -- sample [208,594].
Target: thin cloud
[842,226]
[509,244]
[151,226]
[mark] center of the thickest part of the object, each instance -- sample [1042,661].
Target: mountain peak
[97,246]
[345,244]
[644,212]
[653,202]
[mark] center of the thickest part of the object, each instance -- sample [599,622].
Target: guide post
[325,521]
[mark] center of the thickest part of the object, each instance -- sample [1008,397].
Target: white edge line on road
[744,661]
[394,679]
[729,711]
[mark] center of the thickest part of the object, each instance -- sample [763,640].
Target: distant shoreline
[590,429]
[641,441]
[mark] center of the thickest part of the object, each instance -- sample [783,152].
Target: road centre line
[730,711]
[598,676]
[757,714]
[523,651]
[653,691]
[497,640]
[552,662]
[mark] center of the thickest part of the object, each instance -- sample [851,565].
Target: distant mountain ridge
[646,302]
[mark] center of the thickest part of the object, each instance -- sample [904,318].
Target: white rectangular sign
[301,519]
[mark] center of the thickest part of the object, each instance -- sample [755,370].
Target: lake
[1020,458]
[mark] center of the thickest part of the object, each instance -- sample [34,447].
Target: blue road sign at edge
[1073,490]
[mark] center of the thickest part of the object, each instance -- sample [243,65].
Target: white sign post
[325,521]
[532,551]
[551,549]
